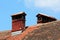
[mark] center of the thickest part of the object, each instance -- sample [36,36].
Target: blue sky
[30,7]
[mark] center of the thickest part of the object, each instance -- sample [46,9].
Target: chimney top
[41,14]
[19,13]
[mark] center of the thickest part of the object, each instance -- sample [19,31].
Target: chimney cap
[19,13]
[45,15]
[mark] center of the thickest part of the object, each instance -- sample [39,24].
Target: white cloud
[29,3]
[46,3]
[51,4]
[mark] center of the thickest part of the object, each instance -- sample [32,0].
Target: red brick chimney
[41,18]
[18,21]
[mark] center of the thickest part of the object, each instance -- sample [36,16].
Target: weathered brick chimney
[18,21]
[41,18]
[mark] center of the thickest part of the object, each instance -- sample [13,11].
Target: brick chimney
[41,18]
[18,21]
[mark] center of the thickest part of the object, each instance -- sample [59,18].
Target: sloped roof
[21,36]
[5,34]
[45,31]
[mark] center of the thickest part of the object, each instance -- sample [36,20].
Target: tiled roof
[5,34]
[45,31]
[21,36]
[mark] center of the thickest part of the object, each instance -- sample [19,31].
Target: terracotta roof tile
[5,34]
[48,31]
[21,36]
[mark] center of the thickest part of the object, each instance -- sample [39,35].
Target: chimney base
[16,33]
